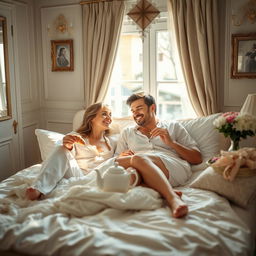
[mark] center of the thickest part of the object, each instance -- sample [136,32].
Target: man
[160,152]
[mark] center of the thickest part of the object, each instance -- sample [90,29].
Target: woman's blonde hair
[90,113]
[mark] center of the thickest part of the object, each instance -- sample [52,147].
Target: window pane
[131,57]
[162,73]
[127,75]
[173,102]
[166,69]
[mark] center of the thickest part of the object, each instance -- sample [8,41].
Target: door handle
[15,124]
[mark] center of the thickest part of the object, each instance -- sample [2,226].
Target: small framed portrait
[62,55]
[243,56]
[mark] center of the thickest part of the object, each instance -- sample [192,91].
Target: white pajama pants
[60,164]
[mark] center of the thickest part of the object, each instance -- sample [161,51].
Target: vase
[234,145]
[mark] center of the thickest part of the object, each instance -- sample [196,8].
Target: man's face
[142,114]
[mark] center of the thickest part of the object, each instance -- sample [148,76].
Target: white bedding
[78,219]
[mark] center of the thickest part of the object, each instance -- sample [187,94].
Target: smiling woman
[81,152]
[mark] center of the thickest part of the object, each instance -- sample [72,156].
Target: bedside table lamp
[249,106]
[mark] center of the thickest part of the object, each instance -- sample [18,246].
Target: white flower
[236,125]
[218,122]
[245,122]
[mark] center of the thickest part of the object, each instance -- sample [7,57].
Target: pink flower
[230,119]
[230,116]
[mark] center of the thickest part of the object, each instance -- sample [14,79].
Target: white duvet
[79,219]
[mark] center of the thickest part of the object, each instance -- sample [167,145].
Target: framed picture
[62,55]
[243,56]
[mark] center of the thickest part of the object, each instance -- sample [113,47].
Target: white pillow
[47,141]
[206,135]
[240,191]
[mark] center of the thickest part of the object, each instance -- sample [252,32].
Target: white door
[10,157]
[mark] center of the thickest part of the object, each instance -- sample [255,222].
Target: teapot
[116,179]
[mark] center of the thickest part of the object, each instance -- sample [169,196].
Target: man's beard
[140,122]
[143,120]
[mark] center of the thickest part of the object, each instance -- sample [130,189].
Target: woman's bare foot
[32,194]
[178,207]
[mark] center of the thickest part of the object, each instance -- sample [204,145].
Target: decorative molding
[4,140]
[36,124]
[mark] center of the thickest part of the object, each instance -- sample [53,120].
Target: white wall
[62,93]
[235,90]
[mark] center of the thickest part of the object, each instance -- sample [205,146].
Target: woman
[61,59]
[81,152]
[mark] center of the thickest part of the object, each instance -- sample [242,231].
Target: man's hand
[69,140]
[163,133]
[127,153]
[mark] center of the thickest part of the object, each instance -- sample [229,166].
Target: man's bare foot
[178,192]
[178,207]
[32,194]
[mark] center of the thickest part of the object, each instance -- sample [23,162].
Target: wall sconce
[248,12]
[61,25]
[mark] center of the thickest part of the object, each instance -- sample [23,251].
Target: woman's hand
[127,153]
[69,140]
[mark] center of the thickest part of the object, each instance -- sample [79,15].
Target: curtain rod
[97,1]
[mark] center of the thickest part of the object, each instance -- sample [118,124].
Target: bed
[79,219]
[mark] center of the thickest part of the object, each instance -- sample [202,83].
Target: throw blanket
[76,196]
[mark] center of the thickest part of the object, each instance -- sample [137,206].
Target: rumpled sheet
[79,219]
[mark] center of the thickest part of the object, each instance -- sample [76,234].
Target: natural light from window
[149,65]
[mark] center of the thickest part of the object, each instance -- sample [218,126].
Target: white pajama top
[88,157]
[179,170]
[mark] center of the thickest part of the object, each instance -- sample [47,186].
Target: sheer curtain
[102,23]
[195,24]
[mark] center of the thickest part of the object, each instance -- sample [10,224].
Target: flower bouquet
[236,126]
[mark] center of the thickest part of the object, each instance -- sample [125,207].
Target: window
[150,65]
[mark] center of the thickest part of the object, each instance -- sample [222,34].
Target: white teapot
[116,179]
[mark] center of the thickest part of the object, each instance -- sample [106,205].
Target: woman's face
[103,118]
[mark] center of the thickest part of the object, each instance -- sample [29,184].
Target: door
[10,157]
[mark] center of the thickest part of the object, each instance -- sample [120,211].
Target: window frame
[150,83]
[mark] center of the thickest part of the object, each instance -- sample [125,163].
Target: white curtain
[195,23]
[102,23]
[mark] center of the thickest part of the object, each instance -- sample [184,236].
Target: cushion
[47,141]
[207,137]
[240,191]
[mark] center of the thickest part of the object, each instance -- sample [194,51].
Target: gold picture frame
[62,55]
[243,56]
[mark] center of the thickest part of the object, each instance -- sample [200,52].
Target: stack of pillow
[241,191]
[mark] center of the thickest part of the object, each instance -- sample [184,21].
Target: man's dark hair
[148,99]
